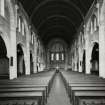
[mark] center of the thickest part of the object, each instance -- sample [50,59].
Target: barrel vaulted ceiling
[56,18]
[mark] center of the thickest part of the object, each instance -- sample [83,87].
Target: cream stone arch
[4,35]
[92,46]
[7,42]
[23,47]
[24,52]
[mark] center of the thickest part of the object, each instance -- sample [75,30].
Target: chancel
[52,52]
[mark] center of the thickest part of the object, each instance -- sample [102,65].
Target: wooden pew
[22,98]
[28,89]
[38,84]
[84,89]
[89,98]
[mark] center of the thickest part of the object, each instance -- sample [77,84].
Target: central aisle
[58,95]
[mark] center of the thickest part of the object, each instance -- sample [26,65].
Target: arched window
[91,27]
[62,56]
[19,23]
[95,23]
[2,6]
[21,26]
[57,56]
[52,56]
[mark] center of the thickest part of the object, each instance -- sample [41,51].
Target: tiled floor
[58,95]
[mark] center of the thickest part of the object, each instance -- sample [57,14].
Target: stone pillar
[80,58]
[87,49]
[66,59]
[48,58]
[27,54]
[102,43]
[73,63]
[45,58]
[102,50]
[35,55]
[13,56]
[75,60]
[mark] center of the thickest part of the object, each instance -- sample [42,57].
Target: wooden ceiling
[56,18]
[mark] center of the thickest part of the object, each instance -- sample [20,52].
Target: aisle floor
[58,95]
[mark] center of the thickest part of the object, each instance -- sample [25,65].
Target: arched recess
[84,62]
[31,63]
[4,60]
[95,59]
[20,61]
[78,63]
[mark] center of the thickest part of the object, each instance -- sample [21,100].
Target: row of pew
[27,90]
[84,89]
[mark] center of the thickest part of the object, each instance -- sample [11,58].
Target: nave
[53,87]
[38,37]
[58,95]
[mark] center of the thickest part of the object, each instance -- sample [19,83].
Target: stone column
[13,56]
[13,59]
[75,59]
[66,59]
[80,58]
[48,58]
[102,43]
[27,54]
[35,55]
[87,49]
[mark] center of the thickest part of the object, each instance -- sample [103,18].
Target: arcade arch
[4,60]
[95,59]
[20,61]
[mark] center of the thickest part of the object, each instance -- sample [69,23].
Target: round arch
[20,60]
[95,59]
[4,60]
[84,62]
[31,63]
[7,42]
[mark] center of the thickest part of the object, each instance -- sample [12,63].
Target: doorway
[95,59]
[20,61]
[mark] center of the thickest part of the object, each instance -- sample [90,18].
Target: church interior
[52,52]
